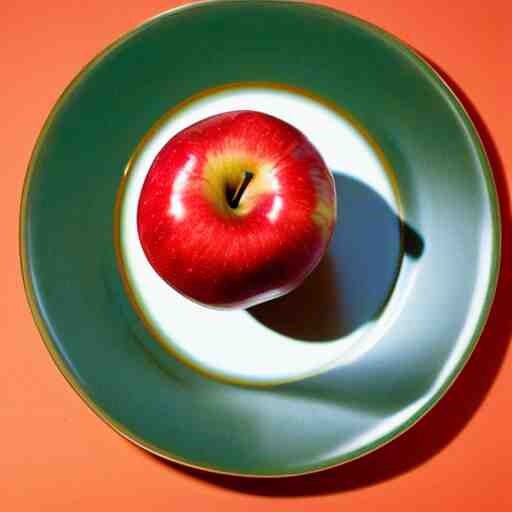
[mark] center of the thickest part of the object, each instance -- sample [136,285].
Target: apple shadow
[448,418]
[354,280]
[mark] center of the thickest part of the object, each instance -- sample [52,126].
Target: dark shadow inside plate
[355,279]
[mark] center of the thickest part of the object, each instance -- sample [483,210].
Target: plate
[373,338]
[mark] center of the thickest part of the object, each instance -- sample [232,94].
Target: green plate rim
[496,248]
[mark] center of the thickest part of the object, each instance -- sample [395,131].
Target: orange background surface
[56,454]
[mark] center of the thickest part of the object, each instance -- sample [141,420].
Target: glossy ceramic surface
[448,216]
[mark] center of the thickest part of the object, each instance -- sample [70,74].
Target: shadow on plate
[440,426]
[354,280]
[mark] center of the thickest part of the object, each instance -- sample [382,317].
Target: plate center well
[338,313]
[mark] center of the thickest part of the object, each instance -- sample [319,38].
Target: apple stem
[235,200]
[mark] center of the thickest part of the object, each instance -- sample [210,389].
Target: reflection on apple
[236,209]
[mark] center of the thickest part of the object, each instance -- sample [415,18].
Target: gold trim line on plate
[130,292]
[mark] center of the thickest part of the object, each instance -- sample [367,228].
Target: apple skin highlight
[228,257]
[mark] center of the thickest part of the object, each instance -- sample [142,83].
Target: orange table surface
[56,454]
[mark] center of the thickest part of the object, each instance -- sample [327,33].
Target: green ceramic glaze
[75,288]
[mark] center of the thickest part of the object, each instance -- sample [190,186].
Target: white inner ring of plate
[233,345]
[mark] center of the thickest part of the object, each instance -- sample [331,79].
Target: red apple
[236,209]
